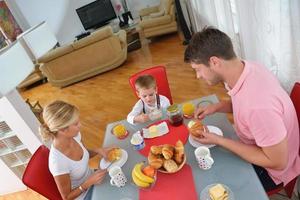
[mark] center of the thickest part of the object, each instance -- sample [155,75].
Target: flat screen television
[96,14]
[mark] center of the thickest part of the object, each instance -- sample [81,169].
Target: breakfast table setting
[160,160]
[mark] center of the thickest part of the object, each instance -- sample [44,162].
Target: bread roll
[114,154]
[156,150]
[155,161]
[170,165]
[168,151]
[196,129]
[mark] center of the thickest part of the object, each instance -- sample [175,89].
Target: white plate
[204,195]
[104,164]
[212,129]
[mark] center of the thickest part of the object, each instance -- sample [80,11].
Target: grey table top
[227,169]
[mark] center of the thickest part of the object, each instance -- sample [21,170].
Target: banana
[138,182]
[137,170]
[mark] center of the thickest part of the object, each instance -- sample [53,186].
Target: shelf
[8,150]
[7,135]
[19,163]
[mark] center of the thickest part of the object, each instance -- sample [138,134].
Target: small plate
[104,163]
[212,129]
[162,129]
[204,195]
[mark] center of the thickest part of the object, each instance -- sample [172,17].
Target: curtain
[217,13]
[264,31]
[268,33]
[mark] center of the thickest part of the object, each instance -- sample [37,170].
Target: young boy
[149,100]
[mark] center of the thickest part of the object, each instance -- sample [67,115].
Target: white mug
[117,176]
[204,159]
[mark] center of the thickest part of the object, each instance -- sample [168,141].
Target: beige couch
[99,52]
[158,20]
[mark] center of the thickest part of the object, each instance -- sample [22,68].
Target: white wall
[60,14]
[136,5]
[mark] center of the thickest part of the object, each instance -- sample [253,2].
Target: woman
[68,158]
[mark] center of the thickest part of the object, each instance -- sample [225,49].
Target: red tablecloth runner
[177,186]
[175,133]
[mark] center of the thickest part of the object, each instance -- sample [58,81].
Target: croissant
[179,152]
[156,150]
[167,151]
[155,161]
[196,128]
[170,165]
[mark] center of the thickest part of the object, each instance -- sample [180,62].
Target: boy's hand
[142,118]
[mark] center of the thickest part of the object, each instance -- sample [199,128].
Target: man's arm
[274,157]
[224,106]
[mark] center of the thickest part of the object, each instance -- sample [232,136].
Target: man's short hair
[145,81]
[207,43]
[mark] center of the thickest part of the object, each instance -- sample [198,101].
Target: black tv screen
[96,14]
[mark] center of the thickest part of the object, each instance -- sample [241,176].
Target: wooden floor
[108,97]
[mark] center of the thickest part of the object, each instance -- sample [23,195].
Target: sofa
[99,52]
[158,20]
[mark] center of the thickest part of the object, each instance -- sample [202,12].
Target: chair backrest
[159,73]
[295,97]
[38,177]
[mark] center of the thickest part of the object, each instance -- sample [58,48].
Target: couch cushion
[100,34]
[57,52]
[156,21]
[165,6]
[157,14]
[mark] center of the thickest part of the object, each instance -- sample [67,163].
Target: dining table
[228,168]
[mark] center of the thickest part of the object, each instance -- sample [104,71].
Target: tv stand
[82,35]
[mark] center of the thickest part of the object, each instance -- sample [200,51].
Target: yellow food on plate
[153,131]
[218,192]
[114,154]
[119,130]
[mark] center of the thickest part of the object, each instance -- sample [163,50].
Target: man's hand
[202,112]
[207,137]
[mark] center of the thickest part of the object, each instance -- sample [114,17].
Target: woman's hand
[207,137]
[96,178]
[104,151]
[202,112]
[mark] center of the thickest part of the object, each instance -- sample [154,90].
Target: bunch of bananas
[139,178]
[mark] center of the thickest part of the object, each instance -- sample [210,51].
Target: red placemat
[175,133]
[177,186]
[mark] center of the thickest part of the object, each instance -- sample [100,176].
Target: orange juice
[188,109]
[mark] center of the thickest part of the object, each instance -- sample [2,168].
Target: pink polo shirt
[264,115]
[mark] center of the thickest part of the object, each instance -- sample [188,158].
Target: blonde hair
[145,81]
[57,115]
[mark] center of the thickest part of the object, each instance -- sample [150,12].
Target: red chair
[38,177]
[159,73]
[295,97]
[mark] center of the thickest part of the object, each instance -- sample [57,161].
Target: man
[264,116]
